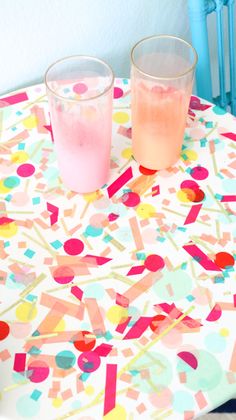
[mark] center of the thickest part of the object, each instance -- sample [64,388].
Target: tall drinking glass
[80,92]
[162,74]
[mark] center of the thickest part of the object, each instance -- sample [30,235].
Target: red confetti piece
[77,292]
[4,330]
[55,212]
[193,214]
[110,388]
[155,190]
[228,198]
[19,362]
[5,220]
[231,136]
[122,300]
[200,257]
[123,324]
[137,269]
[154,262]
[15,99]
[224,260]
[103,350]
[138,328]
[73,246]
[120,182]
[85,341]
[146,171]
[215,313]
[95,259]
[188,358]
[158,321]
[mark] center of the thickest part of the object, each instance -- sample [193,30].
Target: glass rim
[61,60]
[192,67]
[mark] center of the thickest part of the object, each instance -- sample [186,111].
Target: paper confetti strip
[19,362]
[95,316]
[140,287]
[15,99]
[231,136]
[136,233]
[120,182]
[110,388]
[75,310]
[193,214]
[200,257]
[138,328]
[228,198]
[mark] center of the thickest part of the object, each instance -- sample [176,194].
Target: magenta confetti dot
[154,262]
[189,184]
[63,275]
[25,170]
[73,246]
[80,88]
[118,92]
[130,199]
[38,371]
[199,173]
[89,361]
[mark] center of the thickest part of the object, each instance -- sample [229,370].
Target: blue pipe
[221,63]
[198,10]
[231,4]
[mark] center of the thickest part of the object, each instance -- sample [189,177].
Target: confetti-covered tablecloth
[120,303]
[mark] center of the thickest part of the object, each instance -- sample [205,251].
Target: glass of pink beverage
[80,91]
[162,74]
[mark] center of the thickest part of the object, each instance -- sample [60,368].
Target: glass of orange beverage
[162,73]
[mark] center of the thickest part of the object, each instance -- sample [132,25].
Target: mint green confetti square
[107,238]
[21,146]
[36,200]
[6,244]
[56,244]
[29,253]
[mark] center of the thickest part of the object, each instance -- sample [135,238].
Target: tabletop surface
[121,302]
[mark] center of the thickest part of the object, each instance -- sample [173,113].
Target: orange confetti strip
[136,233]
[95,316]
[72,309]
[140,287]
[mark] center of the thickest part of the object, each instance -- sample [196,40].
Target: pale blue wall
[34,33]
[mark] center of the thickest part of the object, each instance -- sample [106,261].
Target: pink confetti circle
[154,262]
[130,199]
[97,220]
[25,170]
[63,275]
[19,199]
[173,339]
[89,361]
[162,399]
[188,183]
[20,329]
[80,88]
[73,246]
[118,92]
[199,173]
[40,371]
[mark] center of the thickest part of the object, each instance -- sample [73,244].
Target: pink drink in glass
[82,143]
[80,91]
